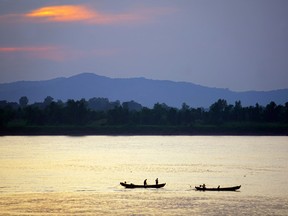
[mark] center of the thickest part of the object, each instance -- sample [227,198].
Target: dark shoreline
[132,130]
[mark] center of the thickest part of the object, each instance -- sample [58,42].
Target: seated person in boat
[156,181]
[145,182]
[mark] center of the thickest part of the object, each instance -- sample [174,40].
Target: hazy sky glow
[236,44]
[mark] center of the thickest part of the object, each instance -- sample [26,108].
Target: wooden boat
[131,186]
[218,188]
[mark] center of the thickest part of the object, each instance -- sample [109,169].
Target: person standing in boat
[156,181]
[145,182]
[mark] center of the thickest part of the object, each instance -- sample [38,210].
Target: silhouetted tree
[23,101]
[35,116]
[254,114]
[172,116]
[286,112]
[270,112]
[47,101]
[55,113]
[159,114]
[146,117]
[132,106]
[237,112]
[185,115]
[118,116]
[7,114]
[99,104]
[198,115]
[100,111]
[217,111]
[76,112]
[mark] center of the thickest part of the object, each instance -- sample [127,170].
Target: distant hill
[144,91]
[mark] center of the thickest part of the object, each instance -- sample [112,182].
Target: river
[63,175]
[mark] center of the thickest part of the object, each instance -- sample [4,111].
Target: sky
[236,44]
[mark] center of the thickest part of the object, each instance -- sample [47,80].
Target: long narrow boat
[131,186]
[218,188]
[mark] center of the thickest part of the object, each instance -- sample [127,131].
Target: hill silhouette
[144,91]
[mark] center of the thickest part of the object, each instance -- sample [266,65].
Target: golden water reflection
[61,175]
[140,203]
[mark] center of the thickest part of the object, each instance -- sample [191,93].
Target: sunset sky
[237,44]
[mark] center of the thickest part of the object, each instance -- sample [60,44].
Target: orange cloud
[26,49]
[55,53]
[62,13]
[42,52]
[81,13]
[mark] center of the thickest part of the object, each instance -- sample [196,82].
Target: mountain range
[144,91]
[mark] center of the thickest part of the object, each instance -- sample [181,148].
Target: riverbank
[224,129]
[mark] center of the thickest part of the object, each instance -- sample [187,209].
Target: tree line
[101,112]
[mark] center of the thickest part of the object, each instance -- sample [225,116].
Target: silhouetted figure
[156,181]
[145,182]
[204,186]
[218,186]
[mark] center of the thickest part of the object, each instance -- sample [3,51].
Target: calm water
[59,175]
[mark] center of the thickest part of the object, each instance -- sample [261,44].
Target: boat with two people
[204,188]
[144,185]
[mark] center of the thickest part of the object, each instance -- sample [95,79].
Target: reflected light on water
[80,175]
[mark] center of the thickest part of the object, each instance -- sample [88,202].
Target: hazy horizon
[137,78]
